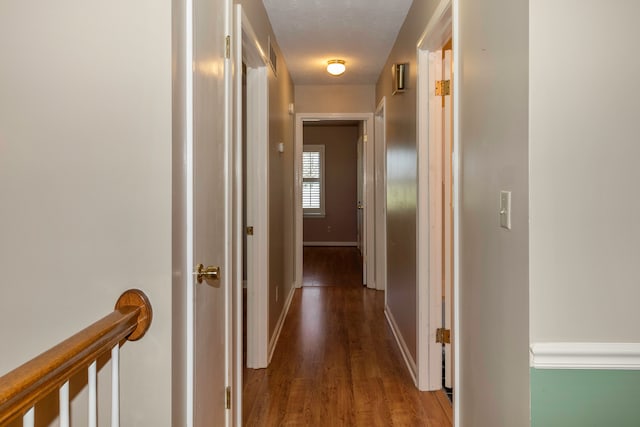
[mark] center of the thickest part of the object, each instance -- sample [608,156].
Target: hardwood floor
[331,266]
[337,364]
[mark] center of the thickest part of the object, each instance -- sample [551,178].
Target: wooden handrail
[21,388]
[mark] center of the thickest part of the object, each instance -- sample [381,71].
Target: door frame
[380,135]
[444,24]
[247,48]
[369,192]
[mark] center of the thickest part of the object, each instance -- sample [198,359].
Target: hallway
[337,364]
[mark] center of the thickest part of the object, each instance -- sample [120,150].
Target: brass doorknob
[360,205]
[209,272]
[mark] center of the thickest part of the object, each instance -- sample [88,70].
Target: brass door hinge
[227,47]
[250,231]
[228,398]
[443,336]
[443,87]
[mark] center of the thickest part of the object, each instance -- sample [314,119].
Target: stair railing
[23,387]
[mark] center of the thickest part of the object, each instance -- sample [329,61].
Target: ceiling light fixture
[336,67]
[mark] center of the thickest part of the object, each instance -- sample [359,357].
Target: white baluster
[29,418]
[93,394]
[115,386]
[64,405]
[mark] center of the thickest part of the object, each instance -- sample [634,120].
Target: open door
[362,229]
[437,214]
[210,222]
[441,215]
[447,214]
[436,172]
[441,210]
[202,221]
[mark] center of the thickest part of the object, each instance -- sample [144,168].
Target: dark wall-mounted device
[399,72]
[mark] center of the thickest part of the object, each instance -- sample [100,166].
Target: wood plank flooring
[337,364]
[331,266]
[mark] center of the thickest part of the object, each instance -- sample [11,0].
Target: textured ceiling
[310,32]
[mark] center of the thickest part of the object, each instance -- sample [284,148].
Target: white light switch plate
[505,209]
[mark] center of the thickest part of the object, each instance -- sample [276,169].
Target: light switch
[505,209]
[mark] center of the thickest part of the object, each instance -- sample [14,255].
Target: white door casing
[380,197]
[369,190]
[248,50]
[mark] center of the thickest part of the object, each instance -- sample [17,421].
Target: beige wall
[494,282]
[401,175]
[340,221]
[85,184]
[584,152]
[281,126]
[335,98]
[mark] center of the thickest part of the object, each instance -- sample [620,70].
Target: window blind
[313,180]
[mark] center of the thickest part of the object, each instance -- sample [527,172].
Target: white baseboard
[406,354]
[330,243]
[283,315]
[576,355]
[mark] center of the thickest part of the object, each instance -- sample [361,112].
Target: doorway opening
[333,203]
[437,207]
[314,227]
[251,310]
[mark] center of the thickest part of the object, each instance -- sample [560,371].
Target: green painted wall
[585,398]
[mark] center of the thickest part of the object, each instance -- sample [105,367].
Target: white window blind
[313,180]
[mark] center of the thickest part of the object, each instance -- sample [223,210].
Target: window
[313,180]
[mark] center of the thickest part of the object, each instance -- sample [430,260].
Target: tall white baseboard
[283,315]
[576,355]
[404,350]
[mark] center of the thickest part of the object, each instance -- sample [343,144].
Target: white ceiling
[310,32]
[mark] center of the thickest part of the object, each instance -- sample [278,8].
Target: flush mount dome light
[335,67]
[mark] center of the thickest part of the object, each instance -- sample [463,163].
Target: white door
[362,229]
[447,179]
[208,204]
[440,218]
[435,220]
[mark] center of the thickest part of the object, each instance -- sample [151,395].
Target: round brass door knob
[207,273]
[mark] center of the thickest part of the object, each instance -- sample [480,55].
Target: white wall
[494,276]
[335,98]
[584,151]
[85,182]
